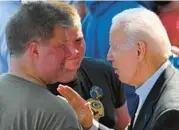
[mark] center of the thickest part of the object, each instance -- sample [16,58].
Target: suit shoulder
[167,120]
[169,98]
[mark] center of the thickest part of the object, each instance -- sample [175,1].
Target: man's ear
[34,49]
[141,50]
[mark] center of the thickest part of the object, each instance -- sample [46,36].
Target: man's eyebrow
[61,42]
[79,38]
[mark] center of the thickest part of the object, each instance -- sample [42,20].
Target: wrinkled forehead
[66,33]
[117,36]
[73,33]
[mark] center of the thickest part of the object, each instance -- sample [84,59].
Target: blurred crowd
[84,57]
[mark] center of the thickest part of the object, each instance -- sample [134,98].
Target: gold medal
[97,108]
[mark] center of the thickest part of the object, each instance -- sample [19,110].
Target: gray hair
[140,24]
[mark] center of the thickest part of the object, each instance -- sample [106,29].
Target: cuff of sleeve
[95,125]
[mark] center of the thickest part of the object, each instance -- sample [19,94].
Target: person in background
[148,4]
[37,37]
[7,9]
[80,6]
[168,12]
[95,81]
[97,23]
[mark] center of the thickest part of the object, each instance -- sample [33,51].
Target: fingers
[67,92]
[88,106]
[72,96]
[81,107]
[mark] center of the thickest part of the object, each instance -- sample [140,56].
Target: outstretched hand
[81,107]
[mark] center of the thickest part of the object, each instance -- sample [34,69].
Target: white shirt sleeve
[95,125]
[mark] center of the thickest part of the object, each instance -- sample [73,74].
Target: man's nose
[109,55]
[72,50]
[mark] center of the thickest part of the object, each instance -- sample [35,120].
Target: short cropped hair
[70,10]
[34,21]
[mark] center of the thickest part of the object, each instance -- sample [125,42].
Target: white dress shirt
[144,89]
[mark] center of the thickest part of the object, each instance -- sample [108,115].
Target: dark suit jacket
[160,110]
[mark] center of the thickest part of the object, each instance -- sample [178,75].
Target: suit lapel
[148,106]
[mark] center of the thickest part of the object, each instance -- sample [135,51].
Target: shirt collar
[144,90]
